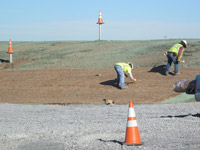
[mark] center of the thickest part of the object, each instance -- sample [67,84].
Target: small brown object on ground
[108,101]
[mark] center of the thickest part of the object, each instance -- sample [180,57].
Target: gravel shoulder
[41,127]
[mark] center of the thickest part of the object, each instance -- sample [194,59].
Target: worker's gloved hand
[134,79]
[178,59]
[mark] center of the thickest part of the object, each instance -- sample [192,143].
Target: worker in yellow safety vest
[120,69]
[174,55]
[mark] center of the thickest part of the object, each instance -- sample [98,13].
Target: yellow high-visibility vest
[125,67]
[175,49]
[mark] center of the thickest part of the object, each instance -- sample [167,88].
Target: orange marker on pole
[10,50]
[100,22]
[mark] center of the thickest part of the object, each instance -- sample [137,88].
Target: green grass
[181,98]
[93,54]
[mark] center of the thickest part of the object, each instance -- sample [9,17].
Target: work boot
[178,73]
[126,87]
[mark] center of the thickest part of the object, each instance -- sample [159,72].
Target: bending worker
[174,55]
[120,68]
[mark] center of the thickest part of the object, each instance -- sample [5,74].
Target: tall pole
[99,31]
[100,22]
[10,58]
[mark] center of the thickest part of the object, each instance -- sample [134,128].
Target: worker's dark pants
[172,58]
[120,76]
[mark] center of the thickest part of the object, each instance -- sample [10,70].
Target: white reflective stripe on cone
[131,112]
[132,123]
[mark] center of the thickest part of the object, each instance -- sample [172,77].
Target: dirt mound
[87,86]
[6,65]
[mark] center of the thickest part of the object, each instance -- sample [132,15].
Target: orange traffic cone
[100,20]
[10,49]
[132,131]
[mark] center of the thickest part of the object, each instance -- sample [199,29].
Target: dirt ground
[87,86]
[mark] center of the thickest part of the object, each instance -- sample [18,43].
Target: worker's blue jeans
[172,58]
[120,76]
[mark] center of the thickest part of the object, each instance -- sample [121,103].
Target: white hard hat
[184,42]
[130,64]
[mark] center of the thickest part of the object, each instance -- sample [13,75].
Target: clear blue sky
[49,20]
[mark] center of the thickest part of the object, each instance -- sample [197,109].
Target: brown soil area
[87,86]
